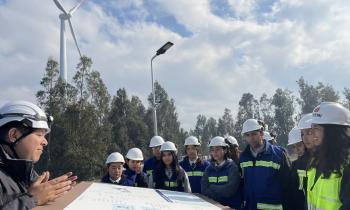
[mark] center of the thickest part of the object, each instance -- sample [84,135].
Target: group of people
[259,177]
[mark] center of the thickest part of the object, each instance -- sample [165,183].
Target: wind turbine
[63,56]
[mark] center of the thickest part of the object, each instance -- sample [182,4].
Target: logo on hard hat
[317,109]
[315,112]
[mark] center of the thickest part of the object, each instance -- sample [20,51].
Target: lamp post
[160,51]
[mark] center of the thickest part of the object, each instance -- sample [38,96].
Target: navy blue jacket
[138,180]
[150,165]
[163,182]
[194,173]
[265,178]
[123,181]
[221,183]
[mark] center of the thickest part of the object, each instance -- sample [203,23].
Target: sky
[222,48]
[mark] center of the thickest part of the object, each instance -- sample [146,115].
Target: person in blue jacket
[115,162]
[169,175]
[265,170]
[133,169]
[193,164]
[152,162]
[221,179]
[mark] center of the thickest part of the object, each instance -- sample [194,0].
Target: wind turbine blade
[58,4]
[71,11]
[75,40]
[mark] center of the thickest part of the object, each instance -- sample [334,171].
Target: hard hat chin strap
[12,145]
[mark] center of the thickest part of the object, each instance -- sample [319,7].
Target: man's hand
[45,190]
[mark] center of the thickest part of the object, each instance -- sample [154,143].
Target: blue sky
[222,48]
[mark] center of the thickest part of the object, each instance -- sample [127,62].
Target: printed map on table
[115,197]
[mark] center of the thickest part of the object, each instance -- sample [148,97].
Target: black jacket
[298,190]
[345,189]
[15,178]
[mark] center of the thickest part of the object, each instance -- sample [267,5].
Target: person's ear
[12,135]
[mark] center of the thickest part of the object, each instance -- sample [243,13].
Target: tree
[311,96]
[346,93]
[284,111]
[167,117]
[266,110]
[248,108]
[80,133]
[226,124]
[327,93]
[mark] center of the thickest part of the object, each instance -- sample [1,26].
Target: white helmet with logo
[331,113]
[305,121]
[134,154]
[218,141]
[232,140]
[115,157]
[26,112]
[250,125]
[294,136]
[168,146]
[192,140]
[156,141]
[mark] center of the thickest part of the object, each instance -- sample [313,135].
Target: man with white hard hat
[23,126]
[265,169]
[115,162]
[152,162]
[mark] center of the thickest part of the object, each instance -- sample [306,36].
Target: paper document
[115,197]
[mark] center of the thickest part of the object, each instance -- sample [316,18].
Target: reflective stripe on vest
[301,175]
[170,184]
[244,165]
[194,173]
[267,164]
[323,193]
[267,206]
[215,179]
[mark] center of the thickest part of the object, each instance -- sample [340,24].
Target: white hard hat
[305,121]
[218,141]
[156,141]
[168,146]
[134,154]
[115,157]
[26,112]
[232,140]
[192,140]
[267,136]
[250,125]
[294,136]
[331,113]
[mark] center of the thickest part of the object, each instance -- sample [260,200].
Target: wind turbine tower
[65,16]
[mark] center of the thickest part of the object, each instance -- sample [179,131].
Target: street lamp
[160,51]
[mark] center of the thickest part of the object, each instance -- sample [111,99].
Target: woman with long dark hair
[169,175]
[329,175]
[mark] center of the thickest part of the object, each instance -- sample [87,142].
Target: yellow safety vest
[323,194]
